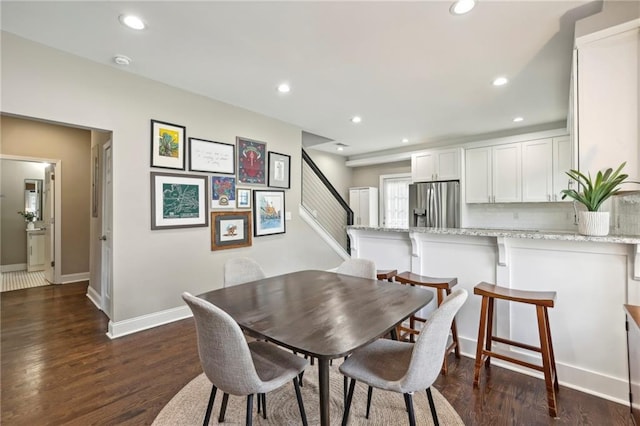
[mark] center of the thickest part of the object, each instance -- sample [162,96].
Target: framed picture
[252,161]
[243,198]
[268,212]
[230,230]
[210,156]
[223,192]
[167,145]
[178,201]
[279,166]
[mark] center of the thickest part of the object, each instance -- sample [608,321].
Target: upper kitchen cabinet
[493,174]
[439,164]
[606,107]
[544,166]
[364,203]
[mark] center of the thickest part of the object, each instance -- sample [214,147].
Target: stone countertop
[511,233]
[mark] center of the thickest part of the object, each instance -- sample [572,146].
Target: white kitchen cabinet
[607,101]
[493,174]
[439,164]
[35,250]
[562,162]
[364,203]
[537,170]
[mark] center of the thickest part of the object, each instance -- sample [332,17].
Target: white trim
[74,278]
[465,142]
[95,298]
[14,267]
[145,322]
[580,379]
[586,39]
[307,217]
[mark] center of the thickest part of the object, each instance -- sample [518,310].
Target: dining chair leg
[259,403]
[408,400]
[432,406]
[223,408]
[369,393]
[263,396]
[249,409]
[347,407]
[344,388]
[303,414]
[212,397]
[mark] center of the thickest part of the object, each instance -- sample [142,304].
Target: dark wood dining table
[319,313]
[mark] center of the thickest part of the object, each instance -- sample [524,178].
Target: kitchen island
[593,277]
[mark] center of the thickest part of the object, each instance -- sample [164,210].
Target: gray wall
[370,175]
[334,168]
[152,268]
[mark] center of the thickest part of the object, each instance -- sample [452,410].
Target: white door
[106,278]
[48,218]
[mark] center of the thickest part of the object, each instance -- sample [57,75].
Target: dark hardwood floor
[59,367]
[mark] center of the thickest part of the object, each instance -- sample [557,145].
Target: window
[395,200]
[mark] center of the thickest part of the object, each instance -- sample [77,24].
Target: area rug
[188,406]
[18,280]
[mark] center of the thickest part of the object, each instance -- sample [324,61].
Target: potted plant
[29,217]
[593,193]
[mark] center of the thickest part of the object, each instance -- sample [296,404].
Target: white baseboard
[591,382]
[145,322]
[74,278]
[13,268]
[95,297]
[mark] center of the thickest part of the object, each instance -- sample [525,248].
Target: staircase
[323,207]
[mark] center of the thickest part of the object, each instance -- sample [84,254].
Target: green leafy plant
[28,216]
[595,191]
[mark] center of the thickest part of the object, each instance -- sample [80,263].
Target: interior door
[48,218]
[106,278]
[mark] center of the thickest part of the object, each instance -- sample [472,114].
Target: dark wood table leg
[323,381]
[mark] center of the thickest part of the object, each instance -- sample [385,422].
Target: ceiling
[409,69]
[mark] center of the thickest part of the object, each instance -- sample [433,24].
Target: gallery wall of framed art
[181,200]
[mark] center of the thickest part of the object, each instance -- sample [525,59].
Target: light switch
[287,215]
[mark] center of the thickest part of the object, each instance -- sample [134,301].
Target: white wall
[152,268]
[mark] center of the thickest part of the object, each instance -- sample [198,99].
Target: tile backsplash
[625,213]
[624,209]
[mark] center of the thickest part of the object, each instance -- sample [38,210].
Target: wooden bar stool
[542,300]
[443,287]
[386,274]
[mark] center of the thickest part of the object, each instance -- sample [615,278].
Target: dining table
[321,314]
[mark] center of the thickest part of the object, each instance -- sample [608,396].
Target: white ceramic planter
[594,223]
[31,225]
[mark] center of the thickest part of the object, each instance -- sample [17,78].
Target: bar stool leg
[545,344]
[553,358]
[481,331]
[454,334]
[489,335]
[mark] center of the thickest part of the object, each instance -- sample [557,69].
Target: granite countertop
[511,233]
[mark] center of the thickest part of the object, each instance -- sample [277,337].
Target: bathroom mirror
[33,197]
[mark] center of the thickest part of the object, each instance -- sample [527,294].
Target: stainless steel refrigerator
[435,204]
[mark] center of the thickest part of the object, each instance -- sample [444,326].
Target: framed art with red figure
[252,161]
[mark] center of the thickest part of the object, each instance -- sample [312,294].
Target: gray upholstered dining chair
[242,270]
[402,366]
[362,268]
[237,367]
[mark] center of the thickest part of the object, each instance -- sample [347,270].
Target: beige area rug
[17,280]
[188,406]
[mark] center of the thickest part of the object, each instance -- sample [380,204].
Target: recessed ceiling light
[356,119]
[405,140]
[461,7]
[518,119]
[122,60]
[500,81]
[132,22]
[284,88]
[340,148]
